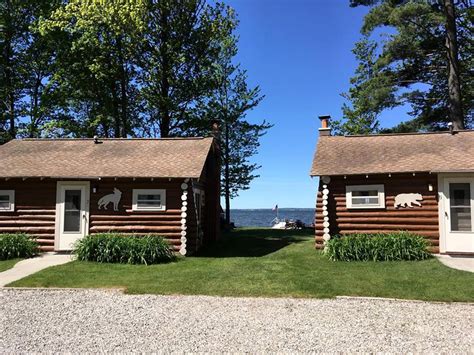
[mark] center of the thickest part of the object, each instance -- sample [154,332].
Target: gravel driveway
[93,321]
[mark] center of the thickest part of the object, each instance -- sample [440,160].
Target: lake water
[264,217]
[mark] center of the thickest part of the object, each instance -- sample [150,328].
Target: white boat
[287,224]
[277,224]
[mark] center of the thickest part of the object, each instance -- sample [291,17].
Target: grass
[261,262]
[8,264]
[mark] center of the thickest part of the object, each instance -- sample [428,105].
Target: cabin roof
[82,158]
[394,153]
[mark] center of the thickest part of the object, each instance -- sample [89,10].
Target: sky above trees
[299,52]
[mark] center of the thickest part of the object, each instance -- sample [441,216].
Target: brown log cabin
[422,183]
[60,190]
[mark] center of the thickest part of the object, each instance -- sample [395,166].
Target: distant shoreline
[265,217]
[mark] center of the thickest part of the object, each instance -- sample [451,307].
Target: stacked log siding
[418,220]
[35,211]
[126,221]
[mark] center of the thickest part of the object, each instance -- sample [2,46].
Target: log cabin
[60,190]
[420,182]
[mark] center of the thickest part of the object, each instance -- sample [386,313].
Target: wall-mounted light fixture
[430,187]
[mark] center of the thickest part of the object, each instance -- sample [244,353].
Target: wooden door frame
[443,205]
[58,216]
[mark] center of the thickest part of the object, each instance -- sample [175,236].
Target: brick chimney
[325,130]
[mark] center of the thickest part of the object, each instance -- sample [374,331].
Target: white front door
[72,213]
[459,215]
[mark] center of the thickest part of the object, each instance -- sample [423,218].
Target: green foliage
[108,68]
[361,116]
[96,66]
[127,68]
[178,59]
[403,60]
[27,98]
[14,246]
[117,248]
[377,247]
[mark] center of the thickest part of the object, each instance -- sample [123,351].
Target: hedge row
[118,248]
[377,247]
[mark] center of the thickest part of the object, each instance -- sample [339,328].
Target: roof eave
[315,174]
[95,177]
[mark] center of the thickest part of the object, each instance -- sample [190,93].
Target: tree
[425,62]
[97,71]
[239,140]
[361,116]
[26,98]
[181,44]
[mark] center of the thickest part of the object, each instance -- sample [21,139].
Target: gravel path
[107,321]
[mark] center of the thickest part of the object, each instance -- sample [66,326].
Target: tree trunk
[123,91]
[165,122]
[454,82]
[227,174]
[163,105]
[11,112]
[8,72]
[116,113]
[34,110]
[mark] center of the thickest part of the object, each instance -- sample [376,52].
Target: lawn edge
[123,291]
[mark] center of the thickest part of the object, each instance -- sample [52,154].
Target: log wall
[35,209]
[164,223]
[419,220]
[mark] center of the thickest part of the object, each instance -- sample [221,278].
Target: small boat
[287,224]
[277,224]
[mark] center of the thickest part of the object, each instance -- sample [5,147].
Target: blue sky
[299,52]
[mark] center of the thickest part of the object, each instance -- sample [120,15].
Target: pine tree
[425,61]
[239,139]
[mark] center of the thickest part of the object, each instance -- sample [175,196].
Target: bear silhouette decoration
[404,200]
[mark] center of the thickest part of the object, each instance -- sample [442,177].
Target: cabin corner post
[184,209]
[325,197]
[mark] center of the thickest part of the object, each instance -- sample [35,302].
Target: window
[7,200]
[365,196]
[149,200]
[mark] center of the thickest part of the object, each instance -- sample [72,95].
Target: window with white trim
[365,196]
[7,200]
[149,200]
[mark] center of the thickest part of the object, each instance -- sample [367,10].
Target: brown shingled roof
[392,153]
[82,158]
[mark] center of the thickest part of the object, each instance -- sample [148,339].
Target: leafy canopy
[403,60]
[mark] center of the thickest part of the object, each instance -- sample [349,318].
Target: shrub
[377,247]
[119,248]
[17,246]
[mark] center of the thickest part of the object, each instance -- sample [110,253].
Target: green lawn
[8,264]
[260,262]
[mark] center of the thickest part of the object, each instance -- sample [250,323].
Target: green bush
[119,248]
[377,247]
[17,246]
